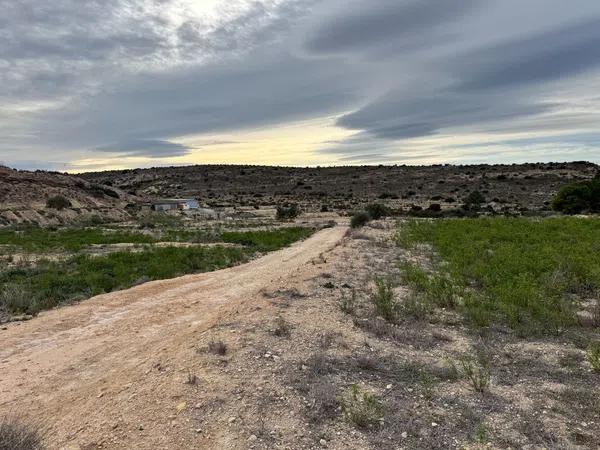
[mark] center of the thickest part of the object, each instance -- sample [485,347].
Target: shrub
[383,299]
[362,408]
[593,355]
[575,198]
[282,328]
[287,212]
[377,211]
[359,219]
[348,304]
[18,436]
[475,198]
[217,348]
[58,202]
[16,299]
[477,371]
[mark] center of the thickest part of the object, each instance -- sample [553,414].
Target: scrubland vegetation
[30,288]
[533,274]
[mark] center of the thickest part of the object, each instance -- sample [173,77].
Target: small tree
[578,197]
[359,219]
[377,211]
[475,198]
[287,212]
[58,202]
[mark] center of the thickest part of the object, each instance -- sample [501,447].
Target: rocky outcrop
[23,197]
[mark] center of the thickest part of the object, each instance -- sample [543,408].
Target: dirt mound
[23,197]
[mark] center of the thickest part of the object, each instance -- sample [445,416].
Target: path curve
[60,364]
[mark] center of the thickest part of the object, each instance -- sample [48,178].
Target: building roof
[174,200]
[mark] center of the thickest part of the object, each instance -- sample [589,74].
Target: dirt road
[80,370]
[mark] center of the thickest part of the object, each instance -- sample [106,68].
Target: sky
[107,84]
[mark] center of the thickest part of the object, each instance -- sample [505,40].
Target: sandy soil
[99,365]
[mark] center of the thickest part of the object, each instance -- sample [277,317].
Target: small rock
[323,442]
[389,386]
[404,435]
[198,430]
[433,424]
[231,419]
[252,438]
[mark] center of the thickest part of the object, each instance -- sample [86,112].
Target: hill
[23,197]
[515,187]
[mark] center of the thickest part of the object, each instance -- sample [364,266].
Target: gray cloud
[151,148]
[131,77]
[542,57]
[360,25]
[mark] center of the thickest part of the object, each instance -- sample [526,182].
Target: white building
[181,204]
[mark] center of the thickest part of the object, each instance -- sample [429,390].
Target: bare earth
[132,370]
[78,369]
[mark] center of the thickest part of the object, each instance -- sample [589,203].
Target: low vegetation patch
[532,273]
[30,290]
[267,240]
[384,301]
[593,355]
[72,239]
[361,408]
[15,435]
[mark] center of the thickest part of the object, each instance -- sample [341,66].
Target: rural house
[169,204]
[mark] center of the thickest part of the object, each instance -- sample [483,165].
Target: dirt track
[76,369]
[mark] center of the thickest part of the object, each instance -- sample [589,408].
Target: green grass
[35,239]
[527,272]
[267,240]
[31,289]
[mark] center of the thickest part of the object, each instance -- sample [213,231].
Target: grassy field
[30,289]
[530,273]
[41,240]
[266,240]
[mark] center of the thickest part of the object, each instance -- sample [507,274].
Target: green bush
[58,202]
[359,219]
[287,212]
[377,211]
[576,198]
[475,198]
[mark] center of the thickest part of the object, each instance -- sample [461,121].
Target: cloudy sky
[99,84]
